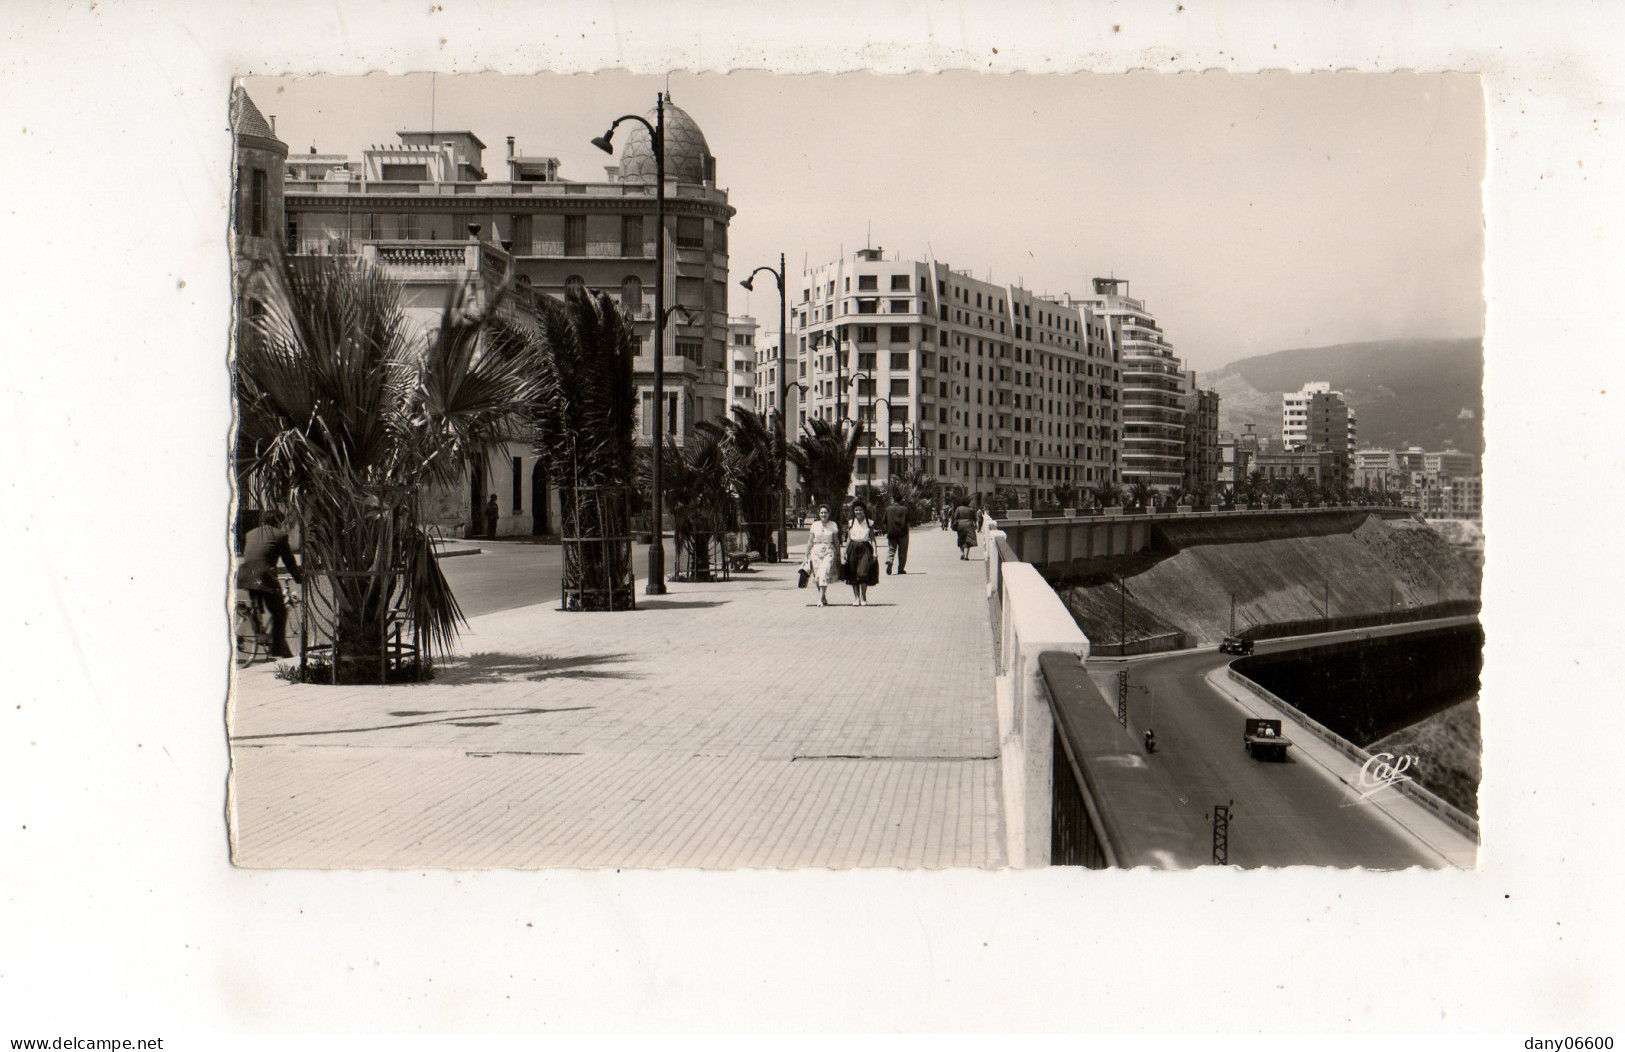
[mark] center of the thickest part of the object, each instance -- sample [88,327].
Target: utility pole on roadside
[1232,613]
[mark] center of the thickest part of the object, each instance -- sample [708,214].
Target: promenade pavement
[734,724]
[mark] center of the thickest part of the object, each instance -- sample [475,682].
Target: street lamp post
[784,380]
[869,475]
[657,143]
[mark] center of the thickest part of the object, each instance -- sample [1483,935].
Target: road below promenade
[1291,813]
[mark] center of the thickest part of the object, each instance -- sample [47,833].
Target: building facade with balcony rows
[985,386]
[424,211]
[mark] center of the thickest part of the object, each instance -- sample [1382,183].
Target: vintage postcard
[757,471]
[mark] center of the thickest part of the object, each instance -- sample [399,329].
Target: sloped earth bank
[1446,748]
[1373,565]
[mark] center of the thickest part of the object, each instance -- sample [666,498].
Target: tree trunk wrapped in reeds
[582,424]
[345,409]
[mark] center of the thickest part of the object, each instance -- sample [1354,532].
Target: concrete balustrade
[1032,621]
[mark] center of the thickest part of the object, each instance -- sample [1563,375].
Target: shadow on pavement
[677,604]
[533,668]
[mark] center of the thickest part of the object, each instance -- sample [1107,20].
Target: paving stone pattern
[722,725]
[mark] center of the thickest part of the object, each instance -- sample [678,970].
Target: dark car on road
[1235,645]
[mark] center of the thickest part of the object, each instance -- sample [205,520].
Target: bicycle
[252,625]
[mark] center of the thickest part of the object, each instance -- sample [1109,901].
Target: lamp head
[603,141]
[749,284]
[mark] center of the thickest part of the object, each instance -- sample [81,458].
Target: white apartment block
[1295,415]
[742,355]
[986,386]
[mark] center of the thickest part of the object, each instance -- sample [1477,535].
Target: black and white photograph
[535,522]
[984,529]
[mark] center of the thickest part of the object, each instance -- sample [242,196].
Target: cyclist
[265,545]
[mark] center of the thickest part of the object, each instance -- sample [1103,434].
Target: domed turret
[688,158]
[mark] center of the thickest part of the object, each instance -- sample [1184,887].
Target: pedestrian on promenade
[964,524]
[862,568]
[821,562]
[491,513]
[265,545]
[895,519]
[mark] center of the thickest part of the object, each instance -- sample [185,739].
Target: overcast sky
[1252,213]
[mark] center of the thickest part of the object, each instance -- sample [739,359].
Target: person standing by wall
[895,520]
[492,512]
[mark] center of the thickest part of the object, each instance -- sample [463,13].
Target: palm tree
[1066,495]
[1140,494]
[1105,493]
[694,481]
[346,409]
[753,448]
[825,454]
[582,424]
[1256,490]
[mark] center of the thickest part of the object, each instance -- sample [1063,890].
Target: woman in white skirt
[821,562]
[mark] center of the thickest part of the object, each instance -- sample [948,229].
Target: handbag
[801,577]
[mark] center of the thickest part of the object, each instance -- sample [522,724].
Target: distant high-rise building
[1153,386]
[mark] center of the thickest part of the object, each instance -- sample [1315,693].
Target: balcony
[585,250]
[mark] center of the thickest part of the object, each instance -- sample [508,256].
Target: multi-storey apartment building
[432,187]
[1202,455]
[425,211]
[986,386]
[1316,417]
[1153,387]
[742,362]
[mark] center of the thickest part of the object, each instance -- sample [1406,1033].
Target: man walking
[895,519]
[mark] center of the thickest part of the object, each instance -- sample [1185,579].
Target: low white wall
[1032,621]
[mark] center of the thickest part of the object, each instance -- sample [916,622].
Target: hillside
[1428,393]
[1377,566]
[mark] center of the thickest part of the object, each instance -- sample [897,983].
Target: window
[518,484]
[690,232]
[257,215]
[868,306]
[692,350]
[575,235]
[899,360]
[899,334]
[868,333]
[899,282]
[866,360]
[866,282]
[899,307]
[632,236]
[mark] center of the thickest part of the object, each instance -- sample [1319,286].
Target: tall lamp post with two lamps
[657,143]
[784,378]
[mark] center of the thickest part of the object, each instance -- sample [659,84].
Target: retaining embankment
[1363,689]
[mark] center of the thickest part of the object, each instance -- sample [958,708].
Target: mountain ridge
[1421,392]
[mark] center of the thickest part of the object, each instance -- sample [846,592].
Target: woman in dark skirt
[862,568]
